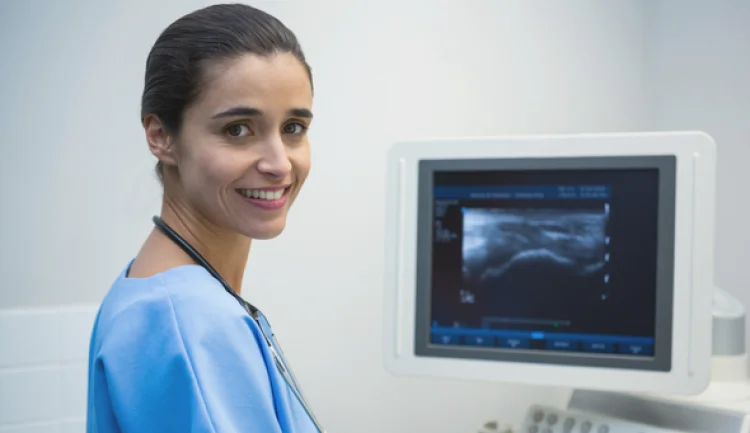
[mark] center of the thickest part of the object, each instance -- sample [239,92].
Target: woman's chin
[265,230]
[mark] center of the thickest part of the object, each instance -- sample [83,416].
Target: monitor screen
[556,260]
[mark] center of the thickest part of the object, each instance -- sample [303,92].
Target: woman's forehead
[251,80]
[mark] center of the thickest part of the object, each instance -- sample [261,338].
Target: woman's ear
[159,141]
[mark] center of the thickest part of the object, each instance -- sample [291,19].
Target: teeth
[262,194]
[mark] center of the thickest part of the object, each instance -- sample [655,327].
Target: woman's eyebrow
[238,111]
[301,112]
[250,111]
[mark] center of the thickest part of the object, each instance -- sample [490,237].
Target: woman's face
[243,154]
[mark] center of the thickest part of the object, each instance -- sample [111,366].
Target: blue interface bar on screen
[524,192]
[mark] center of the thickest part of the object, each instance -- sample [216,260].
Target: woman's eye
[238,130]
[294,128]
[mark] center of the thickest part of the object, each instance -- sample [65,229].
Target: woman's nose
[275,160]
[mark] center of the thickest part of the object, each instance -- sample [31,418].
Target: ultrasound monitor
[581,261]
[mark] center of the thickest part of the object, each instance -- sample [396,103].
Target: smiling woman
[226,108]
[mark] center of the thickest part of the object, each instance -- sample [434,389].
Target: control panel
[544,419]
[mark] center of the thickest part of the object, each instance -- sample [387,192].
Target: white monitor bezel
[695,155]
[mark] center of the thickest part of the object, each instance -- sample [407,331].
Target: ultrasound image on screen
[526,261]
[506,244]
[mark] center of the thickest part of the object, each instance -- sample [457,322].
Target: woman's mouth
[265,198]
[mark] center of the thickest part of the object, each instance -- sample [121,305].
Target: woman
[226,108]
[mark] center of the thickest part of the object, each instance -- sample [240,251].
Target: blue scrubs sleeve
[167,367]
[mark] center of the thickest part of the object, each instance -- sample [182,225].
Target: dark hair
[176,63]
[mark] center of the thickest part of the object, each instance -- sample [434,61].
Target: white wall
[699,76]
[43,369]
[78,191]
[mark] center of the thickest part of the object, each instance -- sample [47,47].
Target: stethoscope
[260,319]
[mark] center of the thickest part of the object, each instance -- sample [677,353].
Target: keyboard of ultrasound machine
[543,419]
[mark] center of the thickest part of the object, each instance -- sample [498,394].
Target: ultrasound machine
[576,261]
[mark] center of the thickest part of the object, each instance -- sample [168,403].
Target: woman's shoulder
[177,338]
[185,302]
[181,288]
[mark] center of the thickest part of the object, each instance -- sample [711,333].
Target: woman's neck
[225,250]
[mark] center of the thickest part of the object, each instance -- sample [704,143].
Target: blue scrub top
[176,353]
